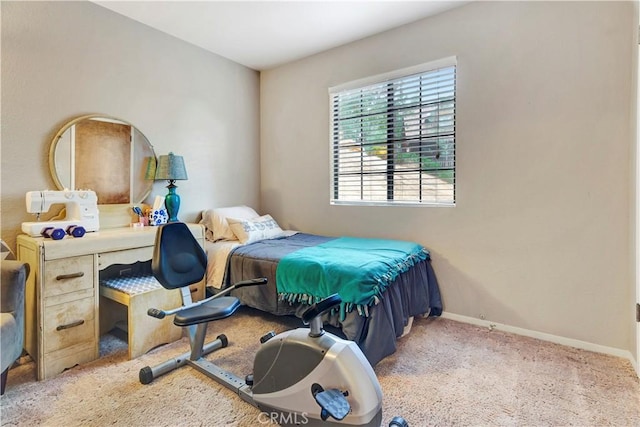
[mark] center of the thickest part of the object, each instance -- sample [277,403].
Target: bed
[242,245]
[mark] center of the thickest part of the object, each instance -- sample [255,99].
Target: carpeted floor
[444,373]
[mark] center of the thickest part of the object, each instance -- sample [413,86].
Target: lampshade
[171,167]
[150,170]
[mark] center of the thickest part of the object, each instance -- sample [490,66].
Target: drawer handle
[194,290]
[70,276]
[70,325]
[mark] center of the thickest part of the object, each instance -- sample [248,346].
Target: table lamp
[171,168]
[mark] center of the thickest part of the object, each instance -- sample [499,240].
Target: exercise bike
[305,376]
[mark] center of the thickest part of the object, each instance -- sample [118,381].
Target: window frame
[380,79]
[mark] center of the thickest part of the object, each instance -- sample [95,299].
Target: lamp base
[172,202]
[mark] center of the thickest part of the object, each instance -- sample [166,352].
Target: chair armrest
[12,286]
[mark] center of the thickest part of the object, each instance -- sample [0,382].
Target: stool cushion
[132,285]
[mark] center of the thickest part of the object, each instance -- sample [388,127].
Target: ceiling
[265,34]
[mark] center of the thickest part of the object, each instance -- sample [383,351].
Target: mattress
[414,292]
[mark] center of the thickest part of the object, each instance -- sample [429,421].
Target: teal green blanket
[356,268]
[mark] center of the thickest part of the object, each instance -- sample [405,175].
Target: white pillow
[215,221]
[252,230]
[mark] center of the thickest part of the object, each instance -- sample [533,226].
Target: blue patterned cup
[158,217]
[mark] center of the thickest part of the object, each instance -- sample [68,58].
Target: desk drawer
[129,256]
[198,291]
[69,324]
[67,275]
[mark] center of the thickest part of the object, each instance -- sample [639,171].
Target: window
[393,141]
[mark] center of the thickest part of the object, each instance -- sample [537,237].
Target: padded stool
[136,294]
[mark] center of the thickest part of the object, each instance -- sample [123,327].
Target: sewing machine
[81,208]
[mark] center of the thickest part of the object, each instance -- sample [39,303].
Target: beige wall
[65,59]
[540,236]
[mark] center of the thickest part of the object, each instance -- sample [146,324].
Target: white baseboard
[625,354]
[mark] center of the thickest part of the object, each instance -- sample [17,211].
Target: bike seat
[213,310]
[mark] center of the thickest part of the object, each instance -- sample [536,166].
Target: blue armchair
[12,287]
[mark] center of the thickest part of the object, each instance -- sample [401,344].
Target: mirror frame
[56,139]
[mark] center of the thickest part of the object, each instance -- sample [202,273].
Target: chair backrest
[178,259]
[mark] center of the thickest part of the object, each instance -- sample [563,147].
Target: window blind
[393,142]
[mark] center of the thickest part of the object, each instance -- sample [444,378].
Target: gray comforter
[414,292]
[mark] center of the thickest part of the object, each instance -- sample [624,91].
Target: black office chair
[179,261]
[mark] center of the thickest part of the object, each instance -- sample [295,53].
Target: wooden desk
[63,293]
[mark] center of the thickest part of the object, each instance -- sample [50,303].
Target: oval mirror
[106,155]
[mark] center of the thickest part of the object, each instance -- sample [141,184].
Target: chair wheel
[146,375]
[398,422]
[223,338]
